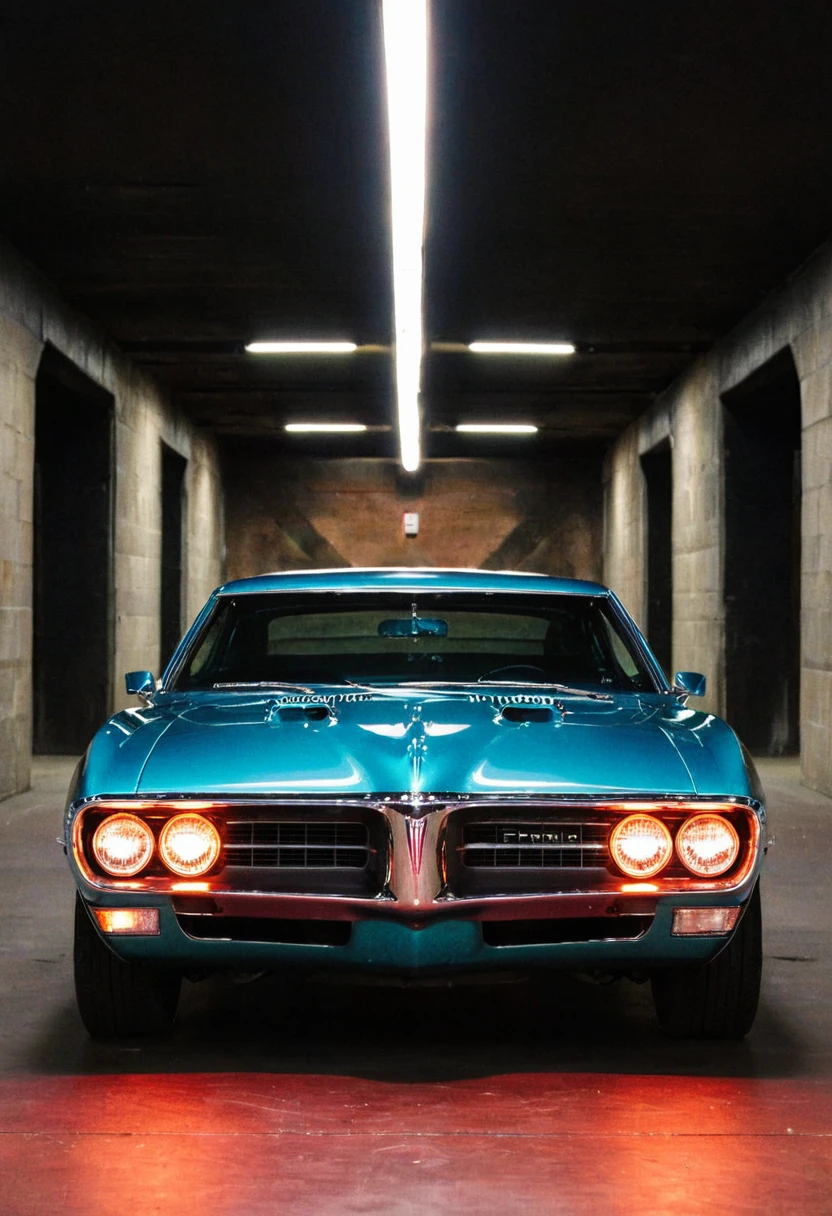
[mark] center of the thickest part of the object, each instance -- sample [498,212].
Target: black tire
[119,1000]
[717,1000]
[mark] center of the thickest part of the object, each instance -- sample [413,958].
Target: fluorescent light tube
[497,428]
[299,428]
[300,348]
[522,348]
[405,52]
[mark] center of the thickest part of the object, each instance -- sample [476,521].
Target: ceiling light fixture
[405,53]
[522,348]
[300,348]
[299,428]
[497,428]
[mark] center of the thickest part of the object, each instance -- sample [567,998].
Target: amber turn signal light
[128,921]
[704,922]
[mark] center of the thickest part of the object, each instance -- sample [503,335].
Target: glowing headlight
[641,846]
[708,845]
[189,844]
[123,845]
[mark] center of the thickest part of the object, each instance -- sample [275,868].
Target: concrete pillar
[19,354]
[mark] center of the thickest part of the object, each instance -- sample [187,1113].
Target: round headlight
[641,846]
[708,845]
[189,845]
[123,845]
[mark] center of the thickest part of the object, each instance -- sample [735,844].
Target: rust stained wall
[285,514]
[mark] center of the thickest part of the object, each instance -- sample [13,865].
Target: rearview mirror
[689,683]
[414,627]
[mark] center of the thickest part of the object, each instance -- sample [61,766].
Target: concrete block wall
[502,514]
[20,353]
[144,420]
[32,315]
[798,317]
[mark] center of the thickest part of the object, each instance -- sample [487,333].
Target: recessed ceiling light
[522,348]
[497,428]
[300,348]
[323,427]
[405,53]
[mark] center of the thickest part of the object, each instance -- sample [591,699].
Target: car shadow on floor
[281,1024]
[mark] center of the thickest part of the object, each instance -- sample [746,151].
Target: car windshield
[401,637]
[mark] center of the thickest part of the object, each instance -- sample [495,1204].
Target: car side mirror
[689,684]
[140,684]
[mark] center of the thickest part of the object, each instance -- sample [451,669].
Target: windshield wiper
[561,688]
[338,680]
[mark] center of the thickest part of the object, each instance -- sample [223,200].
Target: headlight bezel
[154,816]
[738,818]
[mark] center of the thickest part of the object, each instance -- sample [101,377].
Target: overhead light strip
[308,428]
[497,428]
[522,348]
[405,53]
[300,348]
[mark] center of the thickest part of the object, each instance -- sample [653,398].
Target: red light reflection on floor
[249,1143]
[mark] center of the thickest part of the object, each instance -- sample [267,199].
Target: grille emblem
[556,836]
[415,829]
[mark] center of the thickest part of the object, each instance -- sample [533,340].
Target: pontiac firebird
[416,773]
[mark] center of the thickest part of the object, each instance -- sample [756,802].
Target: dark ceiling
[631,175]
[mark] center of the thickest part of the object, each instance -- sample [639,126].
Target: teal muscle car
[416,773]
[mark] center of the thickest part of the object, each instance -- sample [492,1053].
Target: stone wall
[32,315]
[501,514]
[690,413]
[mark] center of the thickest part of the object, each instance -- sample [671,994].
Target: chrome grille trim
[506,844]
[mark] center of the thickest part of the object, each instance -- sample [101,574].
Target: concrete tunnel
[649,187]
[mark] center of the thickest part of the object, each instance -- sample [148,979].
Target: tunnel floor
[553,1097]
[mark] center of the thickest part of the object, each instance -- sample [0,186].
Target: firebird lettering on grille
[562,837]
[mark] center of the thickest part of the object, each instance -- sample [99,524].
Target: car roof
[395,578]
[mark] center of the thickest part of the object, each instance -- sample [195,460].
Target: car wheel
[119,1000]
[717,1000]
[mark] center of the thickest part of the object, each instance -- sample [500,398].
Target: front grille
[538,846]
[297,845]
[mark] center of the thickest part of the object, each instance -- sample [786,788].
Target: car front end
[387,824]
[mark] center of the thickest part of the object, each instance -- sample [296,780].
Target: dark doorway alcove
[762,558]
[73,546]
[174,467]
[657,466]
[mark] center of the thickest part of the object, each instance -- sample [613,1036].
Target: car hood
[402,741]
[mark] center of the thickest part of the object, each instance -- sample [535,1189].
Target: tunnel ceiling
[629,176]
